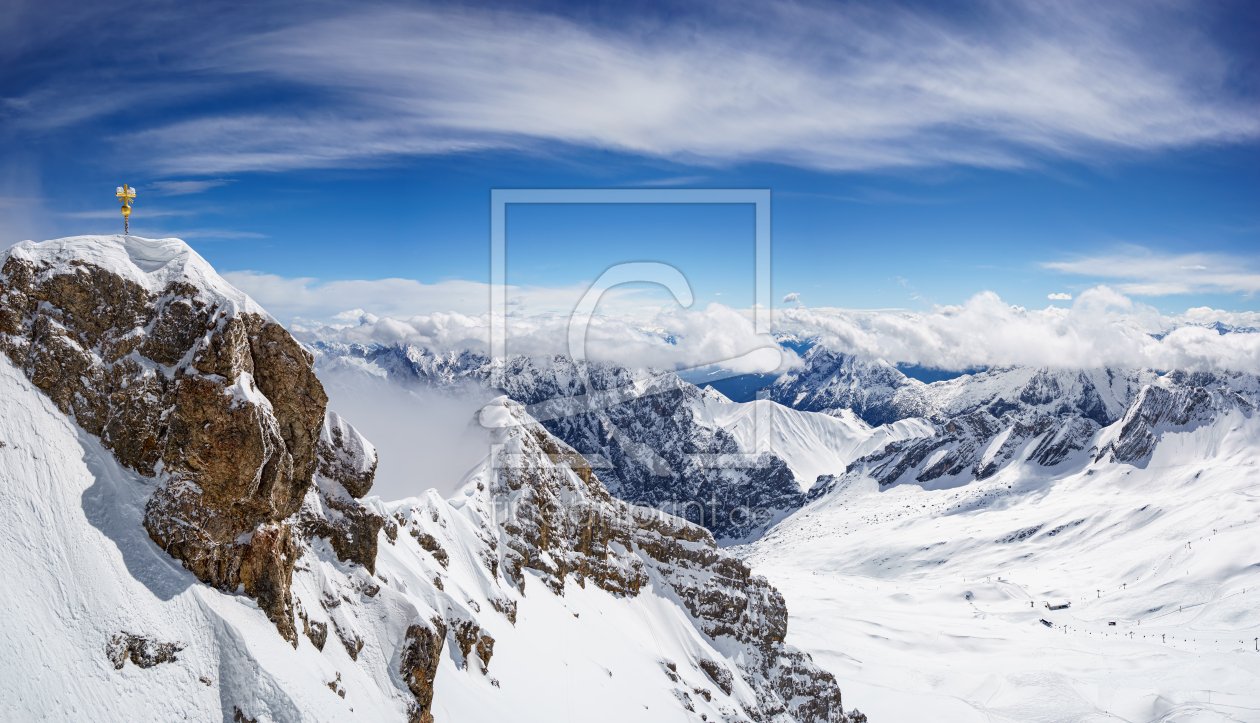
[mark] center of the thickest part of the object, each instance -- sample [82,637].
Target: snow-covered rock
[929,598]
[1171,408]
[875,391]
[879,393]
[160,431]
[985,421]
[187,381]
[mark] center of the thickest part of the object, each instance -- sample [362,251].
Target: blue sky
[916,155]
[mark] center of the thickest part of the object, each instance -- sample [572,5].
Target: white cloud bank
[1101,328]
[836,87]
[673,340]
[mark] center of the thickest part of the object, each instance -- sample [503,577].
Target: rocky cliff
[186,381]
[875,390]
[558,520]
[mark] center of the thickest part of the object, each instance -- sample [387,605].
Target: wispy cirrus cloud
[211,233]
[831,87]
[184,188]
[148,213]
[1143,272]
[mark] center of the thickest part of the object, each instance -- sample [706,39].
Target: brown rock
[485,651]
[345,457]
[430,543]
[347,467]
[422,651]
[267,572]
[352,530]
[350,640]
[718,674]
[224,404]
[285,372]
[316,632]
[469,637]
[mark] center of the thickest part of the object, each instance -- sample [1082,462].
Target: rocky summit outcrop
[644,432]
[189,382]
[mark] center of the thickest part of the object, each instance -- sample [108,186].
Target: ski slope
[931,600]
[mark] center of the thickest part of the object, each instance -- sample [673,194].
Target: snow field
[909,597]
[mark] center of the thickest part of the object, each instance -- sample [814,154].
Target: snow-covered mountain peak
[984,421]
[879,393]
[201,515]
[152,264]
[874,389]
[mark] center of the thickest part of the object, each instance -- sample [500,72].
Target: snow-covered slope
[813,444]
[73,536]
[931,597]
[188,584]
[921,573]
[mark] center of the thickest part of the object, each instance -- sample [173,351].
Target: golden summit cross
[125,195]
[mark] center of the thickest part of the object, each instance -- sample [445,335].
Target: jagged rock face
[977,445]
[880,394]
[1157,409]
[970,446]
[185,383]
[986,421]
[422,652]
[875,391]
[647,439]
[559,520]
[659,455]
[347,466]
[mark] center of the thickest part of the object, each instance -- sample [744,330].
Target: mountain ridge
[647,432]
[247,577]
